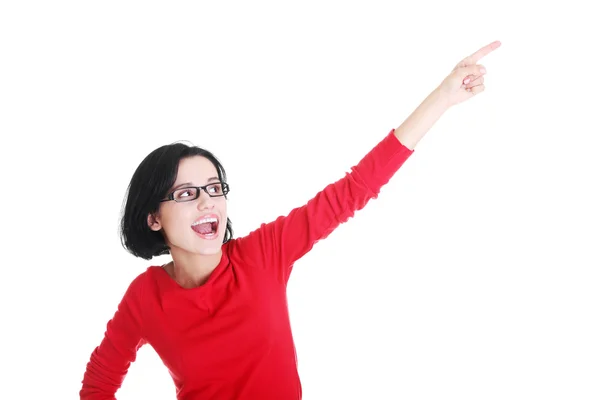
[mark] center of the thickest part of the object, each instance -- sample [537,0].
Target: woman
[217,313]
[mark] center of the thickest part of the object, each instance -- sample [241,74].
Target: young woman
[217,313]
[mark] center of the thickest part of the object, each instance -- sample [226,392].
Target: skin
[194,258]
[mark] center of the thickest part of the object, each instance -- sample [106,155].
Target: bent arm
[110,361]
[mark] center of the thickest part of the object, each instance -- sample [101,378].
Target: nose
[205,202]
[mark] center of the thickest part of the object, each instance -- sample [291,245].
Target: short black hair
[151,181]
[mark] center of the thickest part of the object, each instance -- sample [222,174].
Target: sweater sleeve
[280,243]
[110,361]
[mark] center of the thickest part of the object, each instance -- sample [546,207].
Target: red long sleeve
[110,361]
[231,337]
[288,238]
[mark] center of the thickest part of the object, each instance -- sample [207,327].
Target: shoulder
[143,282]
[239,248]
[143,278]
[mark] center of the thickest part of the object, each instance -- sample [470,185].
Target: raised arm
[280,243]
[110,361]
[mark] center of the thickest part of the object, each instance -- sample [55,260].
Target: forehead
[196,169]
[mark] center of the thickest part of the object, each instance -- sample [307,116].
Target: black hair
[149,184]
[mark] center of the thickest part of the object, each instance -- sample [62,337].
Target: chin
[210,248]
[207,244]
[210,251]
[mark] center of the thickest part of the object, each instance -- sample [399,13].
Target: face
[197,226]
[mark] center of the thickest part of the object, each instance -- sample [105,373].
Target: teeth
[204,221]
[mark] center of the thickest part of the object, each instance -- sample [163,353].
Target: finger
[479,54]
[476,89]
[473,81]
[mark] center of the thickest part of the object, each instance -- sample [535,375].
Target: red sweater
[231,338]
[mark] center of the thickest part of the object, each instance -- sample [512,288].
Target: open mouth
[206,227]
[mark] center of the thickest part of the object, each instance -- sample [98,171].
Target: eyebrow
[188,184]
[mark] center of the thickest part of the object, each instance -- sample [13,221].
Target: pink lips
[208,236]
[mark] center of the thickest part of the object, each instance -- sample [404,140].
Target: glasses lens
[217,189]
[185,194]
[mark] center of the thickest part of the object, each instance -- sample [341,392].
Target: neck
[192,270]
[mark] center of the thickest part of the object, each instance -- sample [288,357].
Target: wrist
[438,101]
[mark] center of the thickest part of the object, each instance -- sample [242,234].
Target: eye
[215,189]
[184,193]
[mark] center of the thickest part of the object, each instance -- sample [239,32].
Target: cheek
[176,222]
[223,212]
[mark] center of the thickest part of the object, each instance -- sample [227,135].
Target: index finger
[482,52]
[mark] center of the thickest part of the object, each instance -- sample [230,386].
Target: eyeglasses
[192,193]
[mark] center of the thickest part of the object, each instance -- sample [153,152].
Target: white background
[474,275]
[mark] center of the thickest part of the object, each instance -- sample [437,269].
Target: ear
[154,222]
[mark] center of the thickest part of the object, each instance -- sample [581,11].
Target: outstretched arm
[277,245]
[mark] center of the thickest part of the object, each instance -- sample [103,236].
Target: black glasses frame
[199,189]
